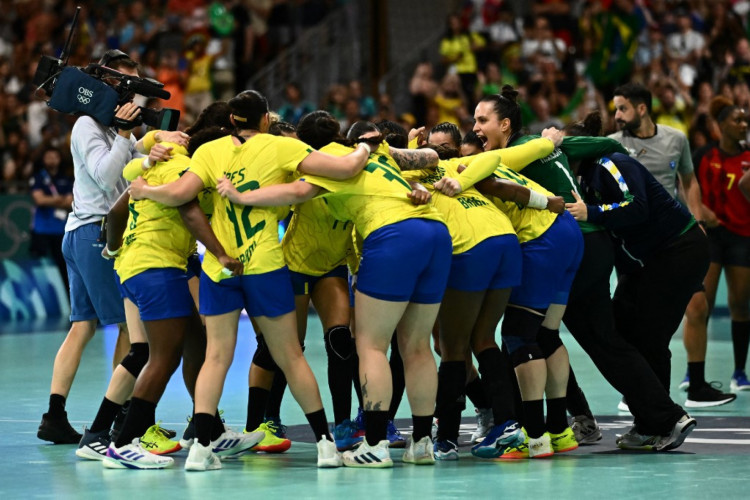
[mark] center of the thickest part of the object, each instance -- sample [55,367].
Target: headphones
[112,55]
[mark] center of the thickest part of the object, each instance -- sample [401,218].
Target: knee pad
[519,333]
[549,341]
[262,356]
[339,342]
[136,359]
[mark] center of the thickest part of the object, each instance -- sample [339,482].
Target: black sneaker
[57,430]
[93,445]
[708,395]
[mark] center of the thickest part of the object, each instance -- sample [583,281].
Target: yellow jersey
[375,197]
[471,218]
[315,242]
[529,223]
[155,236]
[249,234]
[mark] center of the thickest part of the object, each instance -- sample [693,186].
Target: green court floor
[714,462]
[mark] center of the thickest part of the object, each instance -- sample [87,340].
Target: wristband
[537,200]
[367,147]
[226,272]
[146,163]
[113,253]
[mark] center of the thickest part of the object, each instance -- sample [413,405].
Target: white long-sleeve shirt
[99,156]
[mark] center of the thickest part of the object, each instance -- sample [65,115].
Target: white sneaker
[133,456]
[540,447]
[364,455]
[328,455]
[202,458]
[232,444]
[419,453]
[485,422]
[623,406]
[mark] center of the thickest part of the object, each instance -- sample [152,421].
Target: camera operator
[99,155]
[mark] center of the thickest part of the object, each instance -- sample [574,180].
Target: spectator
[295,106]
[457,52]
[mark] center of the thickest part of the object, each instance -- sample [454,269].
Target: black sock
[340,385]
[422,426]
[203,427]
[56,406]
[575,399]
[319,424]
[740,341]
[697,374]
[534,412]
[275,396]
[355,380]
[217,427]
[451,380]
[475,393]
[257,399]
[557,419]
[108,410]
[141,415]
[376,425]
[494,368]
[397,374]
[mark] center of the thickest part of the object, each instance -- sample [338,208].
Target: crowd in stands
[565,58]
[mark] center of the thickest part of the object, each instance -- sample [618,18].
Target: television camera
[97,89]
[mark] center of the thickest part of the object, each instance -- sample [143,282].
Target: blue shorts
[160,293]
[193,266]
[550,263]
[408,261]
[267,294]
[93,291]
[303,284]
[493,264]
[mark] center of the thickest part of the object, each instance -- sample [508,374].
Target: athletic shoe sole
[682,434]
[89,454]
[273,448]
[708,404]
[732,386]
[113,463]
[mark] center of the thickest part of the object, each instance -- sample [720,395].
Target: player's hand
[226,189]
[419,134]
[578,210]
[556,204]
[174,136]
[419,196]
[158,153]
[234,266]
[138,189]
[448,186]
[554,135]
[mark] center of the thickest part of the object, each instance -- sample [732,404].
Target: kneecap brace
[136,359]
[519,332]
[339,342]
[262,356]
[549,341]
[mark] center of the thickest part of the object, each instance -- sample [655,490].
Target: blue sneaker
[343,435]
[685,383]
[446,450]
[395,439]
[500,437]
[739,381]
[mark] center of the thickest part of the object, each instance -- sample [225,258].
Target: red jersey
[718,176]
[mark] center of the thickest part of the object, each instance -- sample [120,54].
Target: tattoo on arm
[414,159]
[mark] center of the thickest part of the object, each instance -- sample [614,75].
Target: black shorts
[728,248]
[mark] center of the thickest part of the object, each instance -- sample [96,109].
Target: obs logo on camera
[85,95]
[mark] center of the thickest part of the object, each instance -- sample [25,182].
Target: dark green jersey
[554,173]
